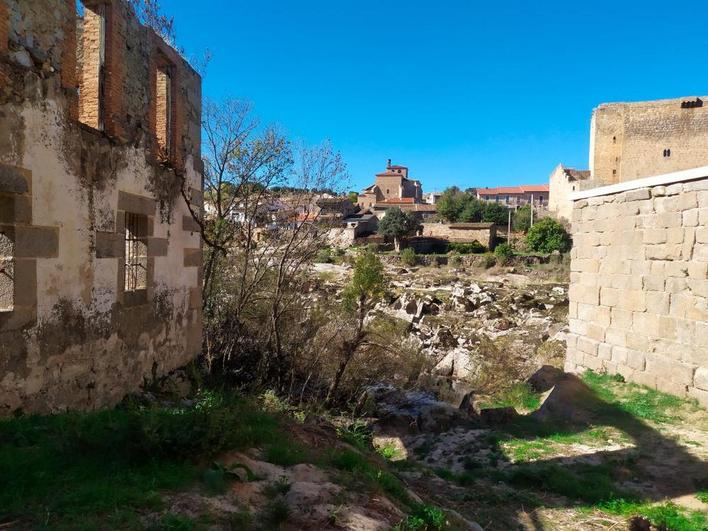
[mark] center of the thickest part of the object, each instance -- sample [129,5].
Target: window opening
[164,117]
[7,273]
[135,252]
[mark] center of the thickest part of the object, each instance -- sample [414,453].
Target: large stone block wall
[628,140]
[639,286]
[71,336]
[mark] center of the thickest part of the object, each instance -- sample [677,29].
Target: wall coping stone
[657,180]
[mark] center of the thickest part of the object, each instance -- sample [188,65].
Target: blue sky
[465,93]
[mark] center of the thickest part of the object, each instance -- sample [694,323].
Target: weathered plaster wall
[74,338]
[628,140]
[639,286]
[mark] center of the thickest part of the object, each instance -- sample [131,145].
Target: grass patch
[424,518]
[372,476]
[86,469]
[390,452]
[525,449]
[520,396]
[358,434]
[666,516]
[639,401]
[588,483]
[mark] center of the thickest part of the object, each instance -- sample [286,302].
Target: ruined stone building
[563,182]
[99,169]
[634,140]
[639,282]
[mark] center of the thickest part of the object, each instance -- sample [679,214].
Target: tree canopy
[397,224]
[547,236]
[455,205]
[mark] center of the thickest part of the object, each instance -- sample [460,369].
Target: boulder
[570,400]
[498,415]
[457,363]
[545,378]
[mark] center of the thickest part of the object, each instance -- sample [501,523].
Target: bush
[467,248]
[495,213]
[408,256]
[503,252]
[522,219]
[489,261]
[455,260]
[324,256]
[547,236]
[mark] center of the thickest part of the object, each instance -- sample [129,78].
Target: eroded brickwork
[72,335]
[634,140]
[639,287]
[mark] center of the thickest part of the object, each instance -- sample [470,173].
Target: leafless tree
[262,230]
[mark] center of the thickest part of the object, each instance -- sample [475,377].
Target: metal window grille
[135,252]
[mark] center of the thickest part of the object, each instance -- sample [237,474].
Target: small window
[135,252]
[614,172]
[7,274]
[667,153]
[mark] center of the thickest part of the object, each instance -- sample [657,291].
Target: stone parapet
[639,282]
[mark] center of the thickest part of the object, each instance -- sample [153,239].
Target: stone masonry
[639,139]
[639,282]
[100,172]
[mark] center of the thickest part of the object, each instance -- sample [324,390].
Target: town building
[392,187]
[634,140]
[100,175]
[563,182]
[516,196]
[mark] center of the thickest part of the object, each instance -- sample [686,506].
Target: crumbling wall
[639,285]
[484,233]
[74,338]
[635,140]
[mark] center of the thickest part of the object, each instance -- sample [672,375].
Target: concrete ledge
[646,182]
[15,208]
[36,242]
[13,180]
[190,224]
[192,257]
[136,204]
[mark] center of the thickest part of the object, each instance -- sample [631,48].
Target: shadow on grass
[619,482]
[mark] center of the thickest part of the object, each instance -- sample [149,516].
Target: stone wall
[484,233]
[634,140]
[73,334]
[639,282]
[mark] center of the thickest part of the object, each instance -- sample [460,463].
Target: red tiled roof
[523,189]
[398,201]
[527,188]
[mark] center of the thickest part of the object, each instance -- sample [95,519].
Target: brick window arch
[100,60]
[4,27]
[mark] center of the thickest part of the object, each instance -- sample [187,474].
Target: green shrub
[324,256]
[547,236]
[489,261]
[408,256]
[467,248]
[455,260]
[503,252]
[522,218]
